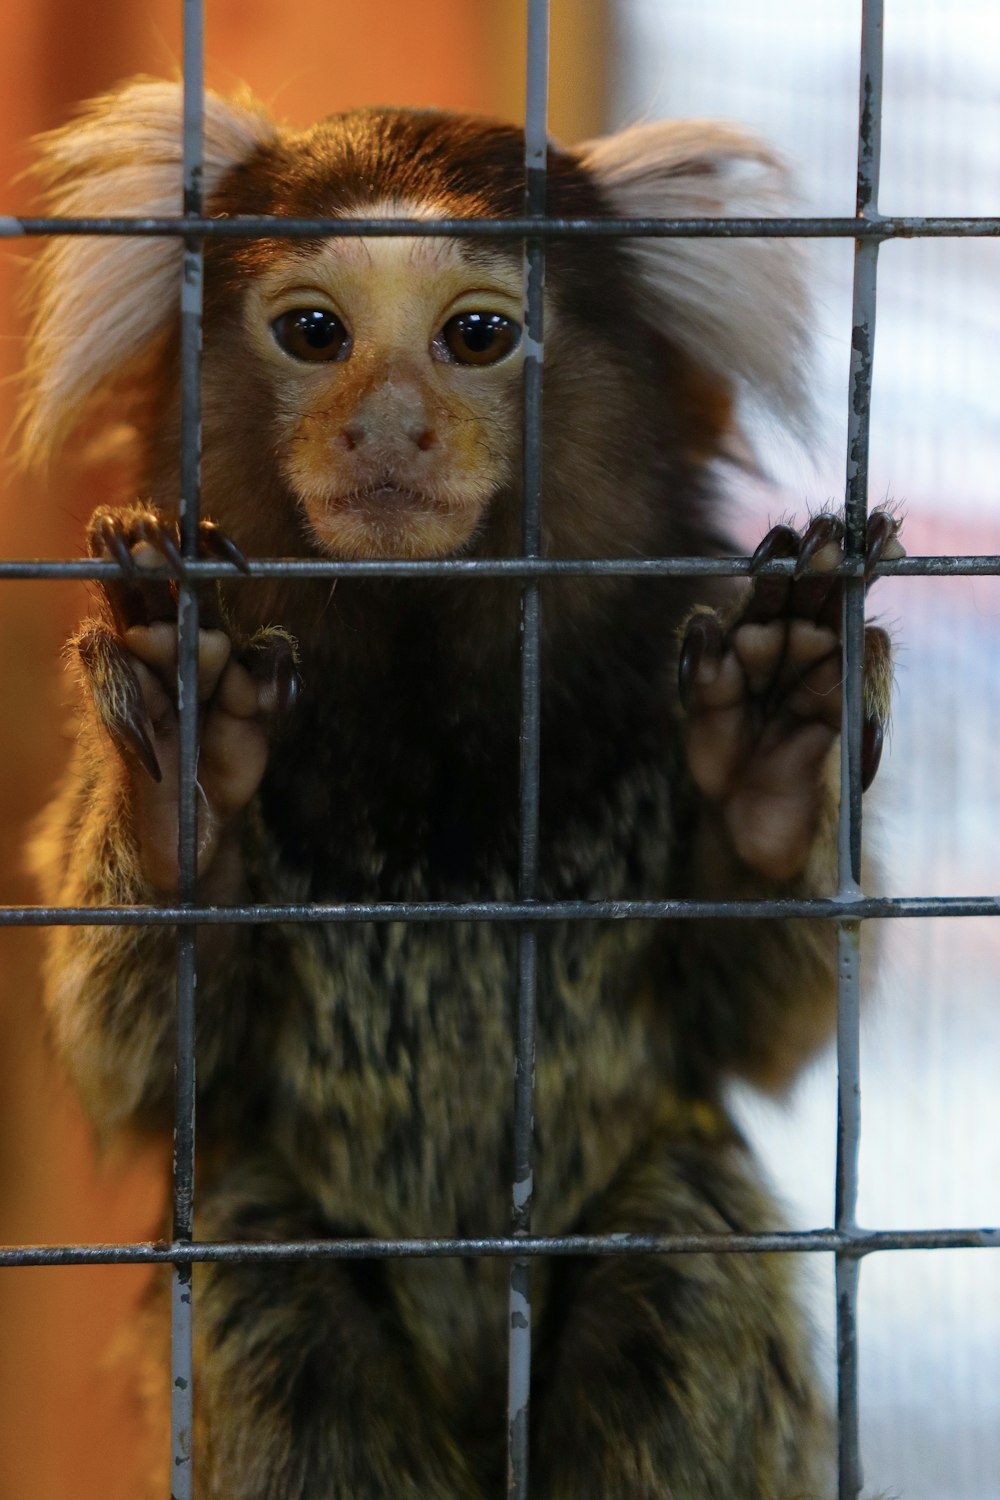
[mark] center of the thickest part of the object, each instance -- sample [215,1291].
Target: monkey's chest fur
[393,1062]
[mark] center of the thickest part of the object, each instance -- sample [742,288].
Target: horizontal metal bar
[972,565]
[825,908]
[267,227]
[784,1242]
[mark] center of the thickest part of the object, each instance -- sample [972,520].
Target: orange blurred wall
[67,1427]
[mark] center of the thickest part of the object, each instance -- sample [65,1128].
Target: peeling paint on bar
[181,1414]
[520,1322]
[522,1191]
[519,1380]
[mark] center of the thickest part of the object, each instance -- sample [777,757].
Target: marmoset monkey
[362,399]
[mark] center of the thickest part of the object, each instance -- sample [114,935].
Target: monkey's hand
[128,658]
[762,688]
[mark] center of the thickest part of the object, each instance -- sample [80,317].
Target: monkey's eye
[477,338]
[312,333]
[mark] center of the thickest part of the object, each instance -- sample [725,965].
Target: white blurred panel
[930,1157]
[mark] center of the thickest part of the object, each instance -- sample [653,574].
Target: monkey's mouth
[387,519]
[385,498]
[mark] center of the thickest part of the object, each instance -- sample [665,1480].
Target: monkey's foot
[762,690]
[128,659]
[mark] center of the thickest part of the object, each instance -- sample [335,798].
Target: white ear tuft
[738,306]
[98,301]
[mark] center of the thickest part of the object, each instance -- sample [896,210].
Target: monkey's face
[395,372]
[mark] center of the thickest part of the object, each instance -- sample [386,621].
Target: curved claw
[872,741]
[215,541]
[114,543]
[133,728]
[285,680]
[287,686]
[781,541]
[821,531]
[770,592]
[880,541]
[703,638]
[160,535]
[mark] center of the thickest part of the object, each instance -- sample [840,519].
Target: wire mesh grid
[848,1242]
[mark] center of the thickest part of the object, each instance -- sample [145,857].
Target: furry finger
[117,695]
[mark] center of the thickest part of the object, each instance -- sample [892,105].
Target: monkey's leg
[762,688]
[307,1384]
[678,1377]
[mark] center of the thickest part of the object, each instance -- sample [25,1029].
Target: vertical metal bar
[182,1381]
[519,1349]
[850,1477]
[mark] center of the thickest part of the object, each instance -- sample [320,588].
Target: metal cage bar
[846,1241]
[182,1469]
[847,1265]
[519,1310]
[829,908]
[247,226]
[861,1242]
[974,564]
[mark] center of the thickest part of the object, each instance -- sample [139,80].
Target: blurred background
[930,1323]
[930,1156]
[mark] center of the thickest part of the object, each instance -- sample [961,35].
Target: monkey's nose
[361,434]
[393,417]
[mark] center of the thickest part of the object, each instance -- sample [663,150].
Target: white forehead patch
[394,251]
